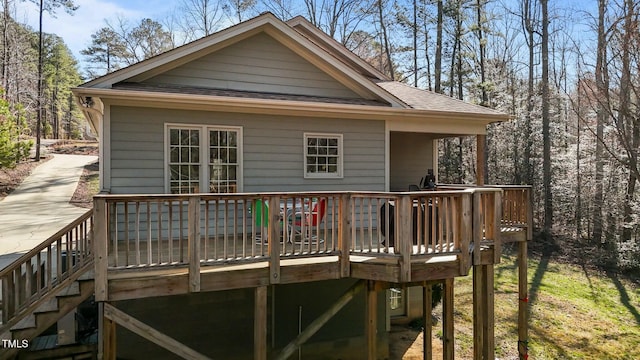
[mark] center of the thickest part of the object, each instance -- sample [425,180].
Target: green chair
[260,210]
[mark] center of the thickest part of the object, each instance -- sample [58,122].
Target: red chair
[304,222]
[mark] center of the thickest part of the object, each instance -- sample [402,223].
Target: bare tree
[546,135]
[529,19]
[438,60]
[601,87]
[384,34]
[628,121]
[199,18]
[239,10]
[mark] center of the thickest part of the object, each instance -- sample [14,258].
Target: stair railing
[35,276]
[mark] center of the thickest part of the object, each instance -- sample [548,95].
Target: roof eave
[278,107]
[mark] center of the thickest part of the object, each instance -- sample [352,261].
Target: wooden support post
[274,239]
[194,243]
[523,303]
[480,159]
[138,327]
[448,349]
[427,309]
[405,237]
[107,336]
[478,312]
[260,324]
[344,234]
[483,312]
[489,325]
[371,316]
[321,320]
[100,248]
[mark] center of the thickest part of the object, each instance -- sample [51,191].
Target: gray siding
[272,150]
[259,63]
[411,154]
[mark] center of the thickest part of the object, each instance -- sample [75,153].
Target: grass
[575,313]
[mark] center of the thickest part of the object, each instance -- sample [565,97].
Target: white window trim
[340,173]
[204,155]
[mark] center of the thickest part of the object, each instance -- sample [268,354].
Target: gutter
[273,107]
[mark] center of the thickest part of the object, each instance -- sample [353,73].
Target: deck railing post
[466,232]
[529,206]
[496,220]
[274,239]
[100,248]
[193,243]
[8,297]
[476,226]
[404,238]
[344,233]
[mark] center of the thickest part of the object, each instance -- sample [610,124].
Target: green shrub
[12,148]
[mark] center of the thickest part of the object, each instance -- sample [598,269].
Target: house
[201,145]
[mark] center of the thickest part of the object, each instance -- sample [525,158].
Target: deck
[138,246]
[159,245]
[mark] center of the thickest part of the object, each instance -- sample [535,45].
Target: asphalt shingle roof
[428,100]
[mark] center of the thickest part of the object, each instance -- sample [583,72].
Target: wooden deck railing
[201,230]
[53,264]
[517,211]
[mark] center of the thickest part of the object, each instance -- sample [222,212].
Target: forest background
[568,74]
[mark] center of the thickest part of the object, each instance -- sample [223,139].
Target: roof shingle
[428,100]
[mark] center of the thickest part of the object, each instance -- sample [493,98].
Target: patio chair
[260,210]
[305,224]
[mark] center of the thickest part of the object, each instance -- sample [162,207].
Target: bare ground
[83,196]
[406,343]
[87,187]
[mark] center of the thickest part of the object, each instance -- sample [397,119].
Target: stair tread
[27,322]
[88,275]
[71,290]
[65,303]
[47,306]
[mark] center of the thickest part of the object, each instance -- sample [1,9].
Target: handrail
[48,266]
[43,245]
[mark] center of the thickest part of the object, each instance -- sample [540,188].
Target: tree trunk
[528,149]
[385,39]
[546,134]
[626,119]
[600,120]
[438,61]
[5,50]
[39,95]
[484,101]
[415,43]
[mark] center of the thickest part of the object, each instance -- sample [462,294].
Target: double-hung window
[322,155]
[203,159]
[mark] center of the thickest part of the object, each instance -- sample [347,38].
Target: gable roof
[379,97]
[266,23]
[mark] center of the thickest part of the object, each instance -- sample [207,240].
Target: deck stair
[45,284]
